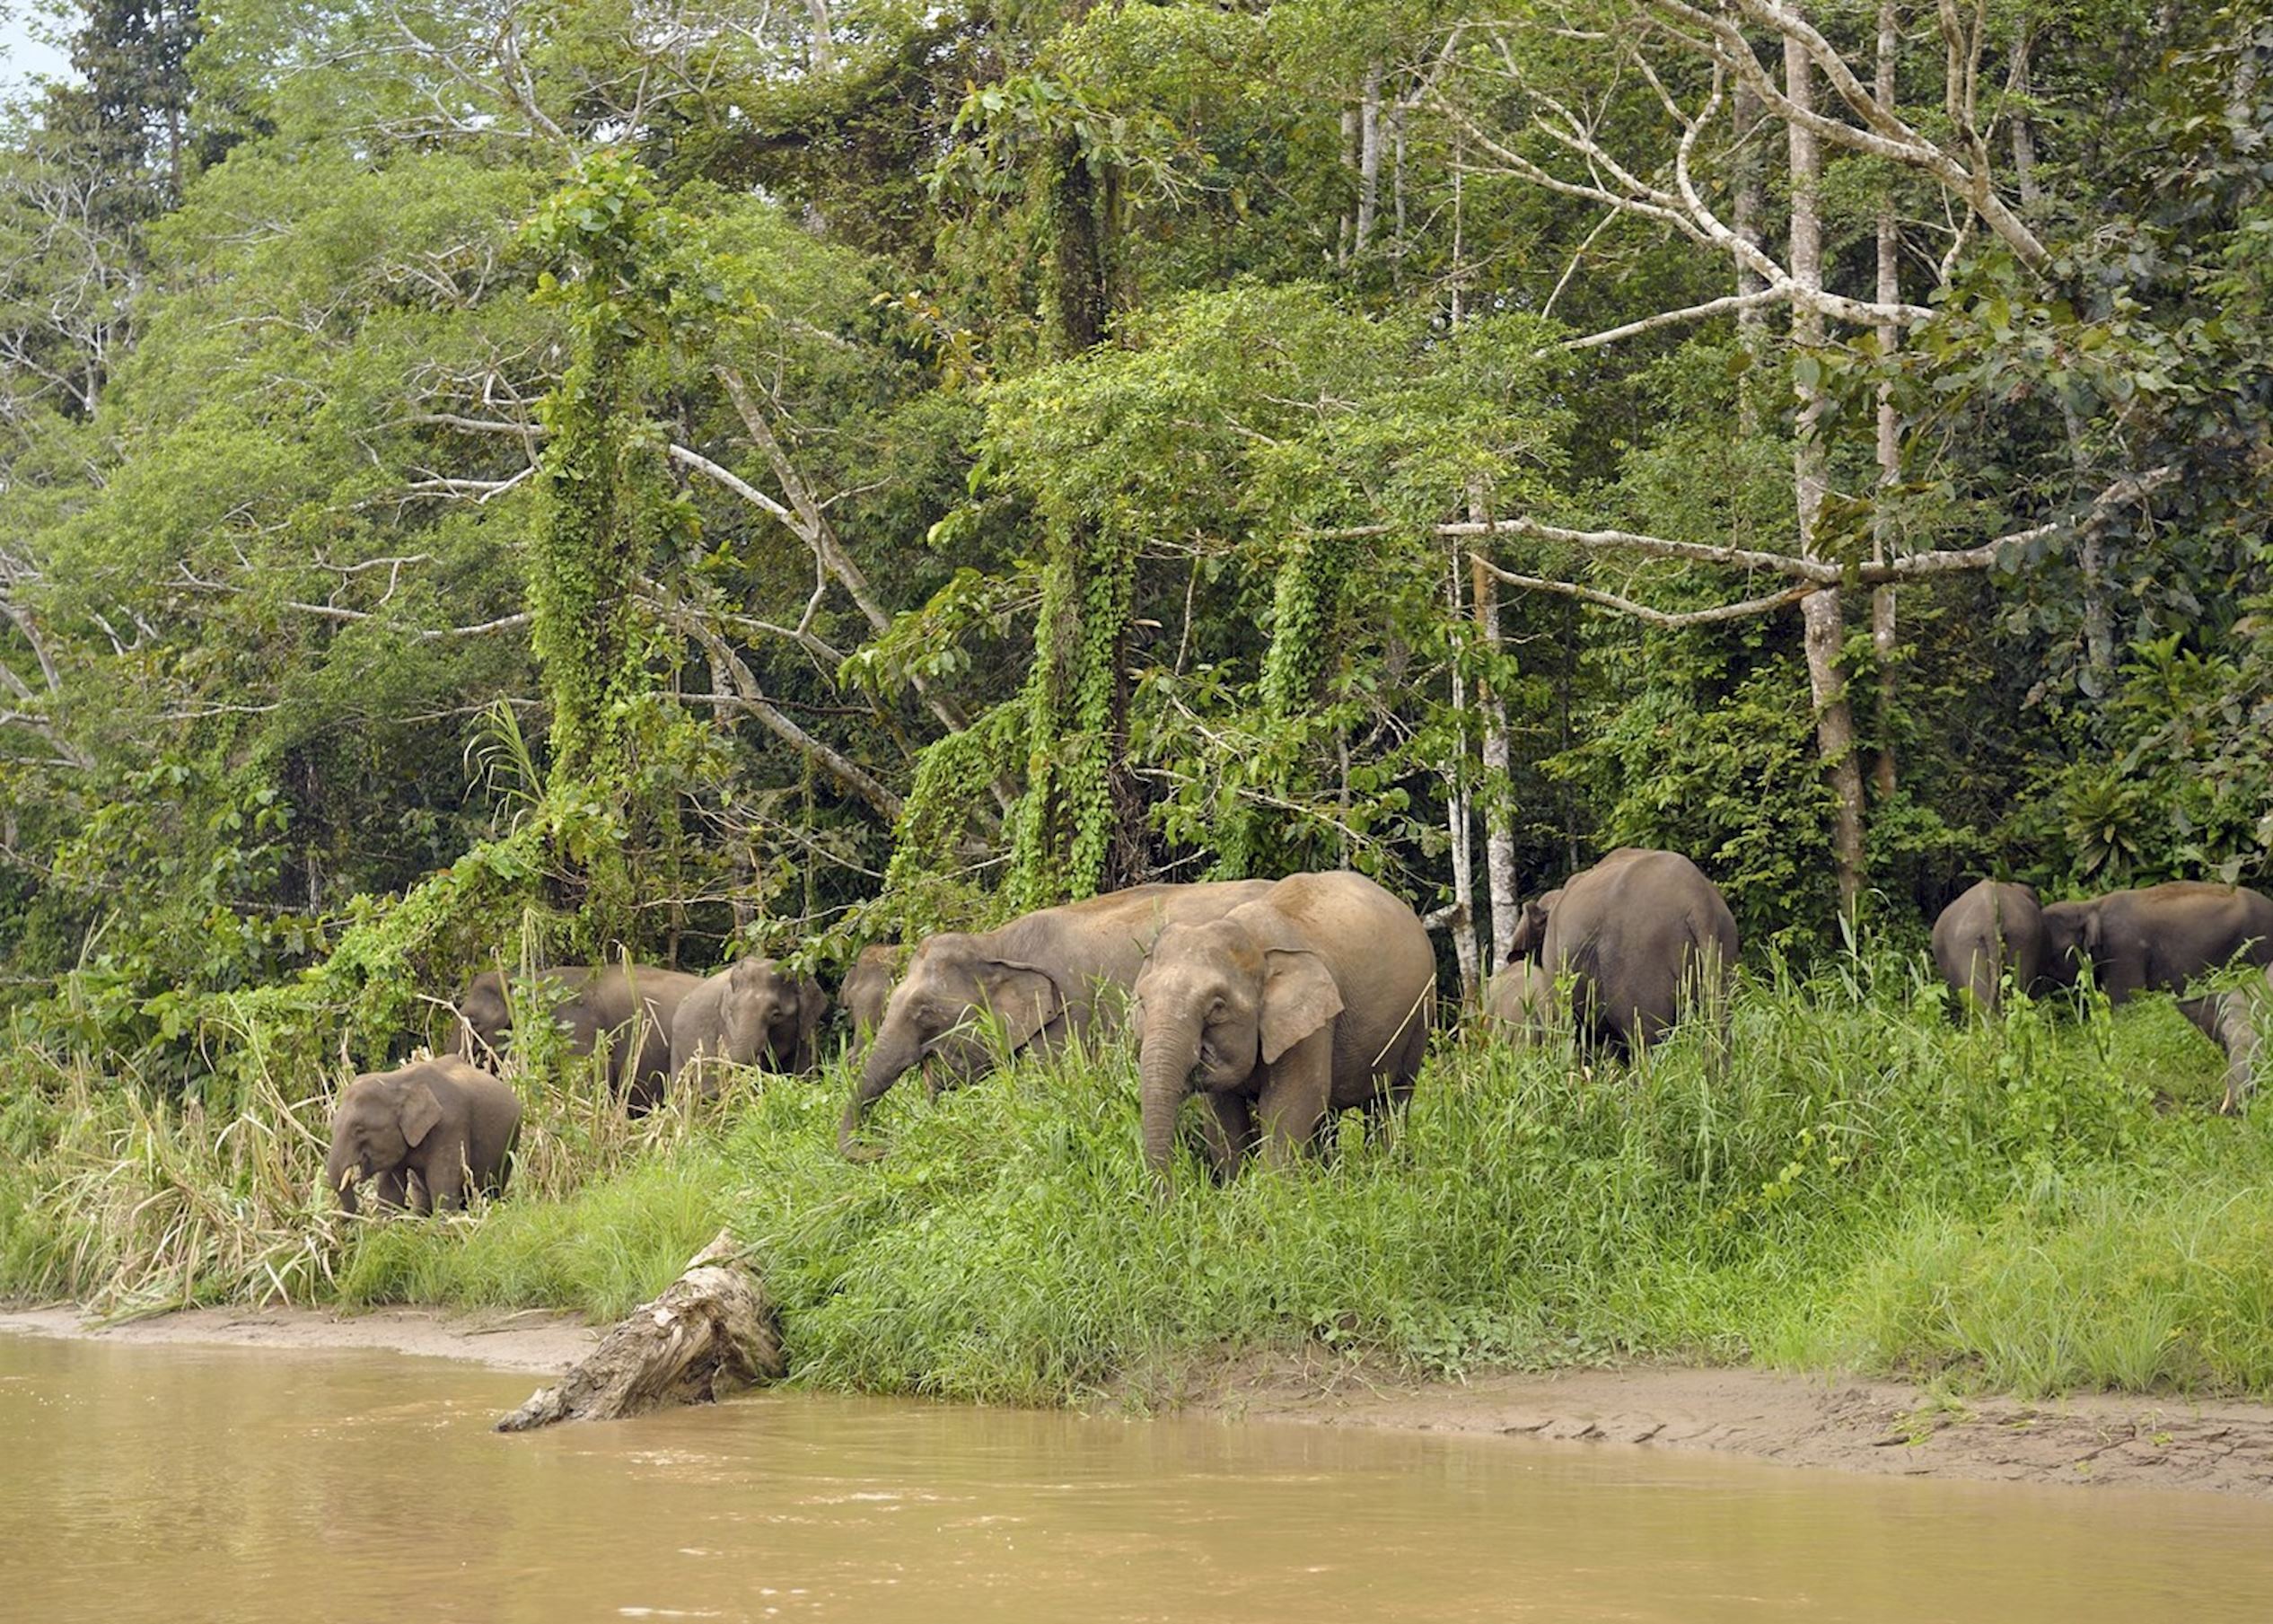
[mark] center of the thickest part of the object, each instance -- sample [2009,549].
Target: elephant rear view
[1314,999]
[628,1007]
[1994,928]
[1047,976]
[1519,1003]
[1638,934]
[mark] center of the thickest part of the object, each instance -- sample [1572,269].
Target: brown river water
[144,1483]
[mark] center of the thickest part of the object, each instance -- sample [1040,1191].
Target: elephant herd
[2154,938]
[1281,1003]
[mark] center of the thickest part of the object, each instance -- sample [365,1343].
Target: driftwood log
[711,1332]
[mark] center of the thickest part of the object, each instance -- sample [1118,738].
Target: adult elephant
[425,1130]
[1637,935]
[867,988]
[1046,977]
[1519,1003]
[1994,929]
[749,1012]
[627,1008]
[2157,938]
[1314,998]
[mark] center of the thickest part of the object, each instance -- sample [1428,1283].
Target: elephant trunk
[1166,1055]
[892,1054]
[340,1173]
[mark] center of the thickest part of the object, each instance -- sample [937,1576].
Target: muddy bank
[1842,1422]
[534,1340]
[1850,1424]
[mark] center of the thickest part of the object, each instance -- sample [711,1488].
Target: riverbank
[532,1339]
[1835,1422]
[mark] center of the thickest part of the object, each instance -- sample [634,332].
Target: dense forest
[707,478]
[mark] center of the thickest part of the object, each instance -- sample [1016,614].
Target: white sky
[22,57]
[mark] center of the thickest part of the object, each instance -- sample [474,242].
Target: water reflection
[168,1483]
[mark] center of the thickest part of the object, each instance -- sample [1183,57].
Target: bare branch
[1643,611]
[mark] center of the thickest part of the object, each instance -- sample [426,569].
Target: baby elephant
[423,1130]
[1519,1003]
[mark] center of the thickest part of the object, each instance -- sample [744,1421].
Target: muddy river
[144,1483]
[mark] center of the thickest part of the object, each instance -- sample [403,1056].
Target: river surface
[144,1483]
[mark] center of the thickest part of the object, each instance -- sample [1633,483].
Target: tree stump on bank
[711,1333]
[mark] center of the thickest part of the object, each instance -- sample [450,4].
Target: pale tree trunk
[1750,204]
[1369,160]
[1499,813]
[1825,617]
[1462,920]
[2024,126]
[1890,456]
[823,46]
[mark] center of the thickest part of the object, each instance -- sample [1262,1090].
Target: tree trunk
[1499,821]
[711,1333]
[1825,616]
[1369,159]
[1750,203]
[1890,457]
[1462,923]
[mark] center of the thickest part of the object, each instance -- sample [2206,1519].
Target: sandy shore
[532,1340]
[1848,1424]
[1842,1422]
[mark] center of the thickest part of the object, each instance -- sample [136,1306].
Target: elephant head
[769,1013]
[1530,933]
[485,1016]
[1217,1003]
[2071,941]
[381,1119]
[933,1019]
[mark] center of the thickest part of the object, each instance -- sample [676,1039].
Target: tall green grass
[2041,1203]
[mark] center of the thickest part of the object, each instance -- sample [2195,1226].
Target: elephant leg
[1294,1099]
[393,1189]
[445,1180]
[1227,1135]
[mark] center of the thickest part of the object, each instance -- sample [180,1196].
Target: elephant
[1530,934]
[423,1130]
[592,1004]
[2158,938]
[1047,976]
[2230,1020]
[1996,926]
[1638,935]
[752,1010]
[1518,1002]
[868,986]
[1314,999]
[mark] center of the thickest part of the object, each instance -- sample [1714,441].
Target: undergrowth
[2038,1204]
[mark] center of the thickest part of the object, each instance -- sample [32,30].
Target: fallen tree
[711,1333]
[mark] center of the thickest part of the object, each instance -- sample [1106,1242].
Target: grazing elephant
[1314,999]
[1519,1003]
[868,986]
[423,1130]
[2232,1020]
[752,1010]
[1994,927]
[1638,935]
[594,1005]
[1047,976]
[2160,937]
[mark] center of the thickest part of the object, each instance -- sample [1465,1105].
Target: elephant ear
[1299,997]
[420,1114]
[1024,997]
